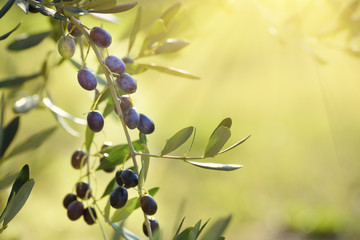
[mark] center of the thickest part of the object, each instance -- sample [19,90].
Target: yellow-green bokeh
[265,64]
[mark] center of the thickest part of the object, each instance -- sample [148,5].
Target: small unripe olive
[100,37]
[75,210]
[95,121]
[66,46]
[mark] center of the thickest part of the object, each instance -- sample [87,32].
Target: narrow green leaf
[109,188]
[202,227]
[25,104]
[184,235]
[133,68]
[107,211]
[217,141]
[145,162]
[100,4]
[23,5]
[235,145]
[16,81]
[123,213]
[170,13]
[169,70]
[195,231]
[227,122]
[8,135]
[129,235]
[217,229]
[26,41]
[89,137]
[31,142]
[7,180]
[74,11]
[135,29]
[216,166]
[156,33]
[51,105]
[18,201]
[179,228]
[115,9]
[109,108]
[171,45]
[8,33]
[177,140]
[6,7]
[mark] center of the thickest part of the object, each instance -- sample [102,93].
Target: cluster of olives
[75,207]
[127,179]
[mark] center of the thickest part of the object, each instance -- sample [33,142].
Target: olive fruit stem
[111,86]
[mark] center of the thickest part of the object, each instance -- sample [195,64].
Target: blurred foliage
[286,71]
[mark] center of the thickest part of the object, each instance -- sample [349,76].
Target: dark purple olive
[132,118]
[126,83]
[118,178]
[100,37]
[87,215]
[118,197]
[95,121]
[148,204]
[146,125]
[78,159]
[75,210]
[154,226]
[86,79]
[74,31]
[81,190]
[69,198]
[127,177]
[115,64]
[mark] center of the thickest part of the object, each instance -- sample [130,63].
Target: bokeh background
[286,72]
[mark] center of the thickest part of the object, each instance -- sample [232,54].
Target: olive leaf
[177,140]
[25,104]
[115,9]
[8,134]
[169,70]
[156,33]
[217,229]
[7,180]
[179,228]
[49,12]
[235,145]
[99,4]
[6,7]
[74,11]
[8,33]
[215,166]
[171,45]
[184,235]
[227,122]
[17,80]
[109,188]
[26,41]
[170,13]
[135,29]
[32,142]
[195,231]
[217,140]
[133,68]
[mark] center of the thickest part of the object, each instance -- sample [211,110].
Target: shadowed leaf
[8,34]
[6,7]
[156,33]
[217,229]
[169,70]
[18,80]
[27,41]
[100,4]
[135,29]
[106,17]
[217,141]
[8,135]
[89,137]
[216,166]
[31,142]
[177,140]
[184,235]
[115,9]
[133,68]
[195,231]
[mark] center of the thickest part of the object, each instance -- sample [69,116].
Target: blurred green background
[286,72]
